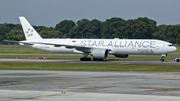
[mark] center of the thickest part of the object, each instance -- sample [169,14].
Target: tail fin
[29,31]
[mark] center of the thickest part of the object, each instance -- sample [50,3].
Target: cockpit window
[170,45]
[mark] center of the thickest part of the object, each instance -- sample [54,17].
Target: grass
[12,46]
[91,67]
[23,51]
[34,51]
[177,52]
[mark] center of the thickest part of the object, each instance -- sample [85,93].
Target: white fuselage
[117,46]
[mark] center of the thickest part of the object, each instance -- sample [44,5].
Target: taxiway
[77,61]
[36,85]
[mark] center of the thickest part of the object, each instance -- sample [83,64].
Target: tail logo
[29,32]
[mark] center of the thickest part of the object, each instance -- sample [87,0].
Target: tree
[79,30]
[65,26]
[43,28]
[44,34]
[3,31]
[172,33]
[81,27]
[10,26]
[14,35]
[74,33]
[92,29]
[55,34]
[51,34]
[113,28]
[159,34]
[143,28]
[162,28]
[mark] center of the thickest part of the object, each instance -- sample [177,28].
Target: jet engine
[100,53]
[121,55]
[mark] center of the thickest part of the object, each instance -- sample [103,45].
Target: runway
[77,61]
[36,85]
[82,55]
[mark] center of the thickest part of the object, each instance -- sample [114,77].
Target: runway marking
[166,88]
[44,95]
[58,93]
[63,92]
[171,76]
[75,87]
[19,99]
[35,97]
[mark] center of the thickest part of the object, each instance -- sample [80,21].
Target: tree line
[115,27]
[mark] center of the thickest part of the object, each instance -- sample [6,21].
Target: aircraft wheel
[162,60]
[81,59]
[85,59]
[89,59]
[97,59]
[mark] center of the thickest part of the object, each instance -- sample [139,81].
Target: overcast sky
[50,12]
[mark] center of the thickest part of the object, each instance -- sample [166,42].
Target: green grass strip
[87,67]
[23,51]
[12,46]
[177,52]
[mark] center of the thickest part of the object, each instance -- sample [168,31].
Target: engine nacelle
[100,53]
[121,55]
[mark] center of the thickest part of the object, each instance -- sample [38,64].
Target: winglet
[29,31]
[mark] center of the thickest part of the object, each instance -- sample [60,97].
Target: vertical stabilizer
[29,31]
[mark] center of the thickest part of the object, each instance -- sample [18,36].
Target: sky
[51,12]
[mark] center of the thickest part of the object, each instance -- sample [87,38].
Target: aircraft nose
[172,49]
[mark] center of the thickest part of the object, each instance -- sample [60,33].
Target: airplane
[100,49]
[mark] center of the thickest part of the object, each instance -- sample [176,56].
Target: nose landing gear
[162,60]
[162,57]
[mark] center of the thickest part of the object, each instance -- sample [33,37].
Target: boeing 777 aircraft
[98,48]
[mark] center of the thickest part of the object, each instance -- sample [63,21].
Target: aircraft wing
[12,41]
[25,42]
[76,46]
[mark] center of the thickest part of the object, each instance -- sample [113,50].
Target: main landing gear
[97,59]
[162,57]
[85,58]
